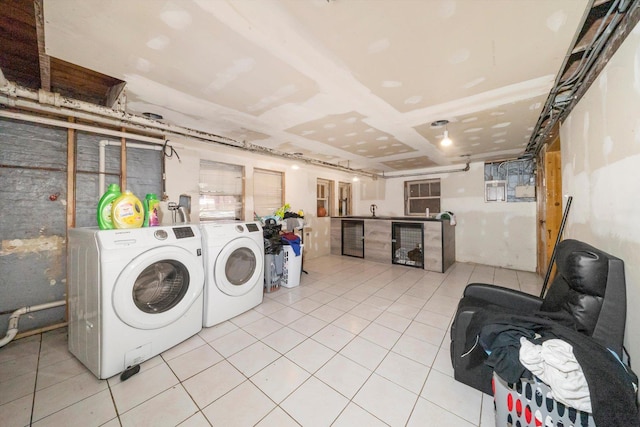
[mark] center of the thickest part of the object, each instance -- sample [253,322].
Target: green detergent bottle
[105,222]
[151,206]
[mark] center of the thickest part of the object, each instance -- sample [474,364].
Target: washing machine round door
[157,287]
[238,267]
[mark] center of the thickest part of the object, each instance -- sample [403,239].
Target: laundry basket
[292,267]
[273,277]
[528,403]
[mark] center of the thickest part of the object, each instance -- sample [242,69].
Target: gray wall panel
[27,211]
[144,174]
[29,144]
[87,198]
[88,157]
[33,227]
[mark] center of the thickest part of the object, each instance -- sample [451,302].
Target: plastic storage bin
[292,267]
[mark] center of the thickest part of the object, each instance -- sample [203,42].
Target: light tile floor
[356,344]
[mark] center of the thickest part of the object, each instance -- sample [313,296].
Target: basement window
[268,194]
[422,195]
[324,196]
[221,191]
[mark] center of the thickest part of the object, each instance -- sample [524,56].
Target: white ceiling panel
[353,81]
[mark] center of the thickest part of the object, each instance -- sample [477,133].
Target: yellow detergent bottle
[127,211]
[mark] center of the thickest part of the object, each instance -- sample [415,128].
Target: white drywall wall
[499,234]
[495,233]
[601,170]
[300,185]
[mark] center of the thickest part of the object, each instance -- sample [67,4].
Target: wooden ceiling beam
[45,65]
[116,96]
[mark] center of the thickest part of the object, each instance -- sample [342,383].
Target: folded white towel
[555,364]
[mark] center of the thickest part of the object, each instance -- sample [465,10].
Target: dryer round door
[238,267]
[157,287]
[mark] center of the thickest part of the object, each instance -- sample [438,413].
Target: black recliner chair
[588,293]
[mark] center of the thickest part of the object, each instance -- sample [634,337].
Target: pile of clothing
[581,373]
[273,255]
[292,240]
[271,234]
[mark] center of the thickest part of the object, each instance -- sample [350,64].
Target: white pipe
[432,172]
[103,152]
[97,113]
[101,166]
[15,317]
[106,142]
[19,97]
[78,126]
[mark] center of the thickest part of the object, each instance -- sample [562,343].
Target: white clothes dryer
[133,293]
[234,269]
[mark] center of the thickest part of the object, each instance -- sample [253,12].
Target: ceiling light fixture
[152,116]
[446,141]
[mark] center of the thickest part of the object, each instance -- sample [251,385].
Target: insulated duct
[618,21]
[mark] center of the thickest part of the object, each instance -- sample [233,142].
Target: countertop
[391,218]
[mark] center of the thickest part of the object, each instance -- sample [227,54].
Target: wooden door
[549,203]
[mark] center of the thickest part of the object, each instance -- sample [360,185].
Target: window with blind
[268,194]
[324,195]
[221,191]
[422,195]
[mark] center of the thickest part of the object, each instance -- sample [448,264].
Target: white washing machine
[132,294]
[234,269]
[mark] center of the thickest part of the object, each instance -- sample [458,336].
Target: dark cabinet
[435,251]
[353,238]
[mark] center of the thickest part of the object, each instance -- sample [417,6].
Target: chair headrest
[590,288]
[584,267]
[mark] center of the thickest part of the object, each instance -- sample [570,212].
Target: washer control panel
[183,232]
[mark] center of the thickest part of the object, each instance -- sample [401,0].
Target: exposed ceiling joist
[116,97]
